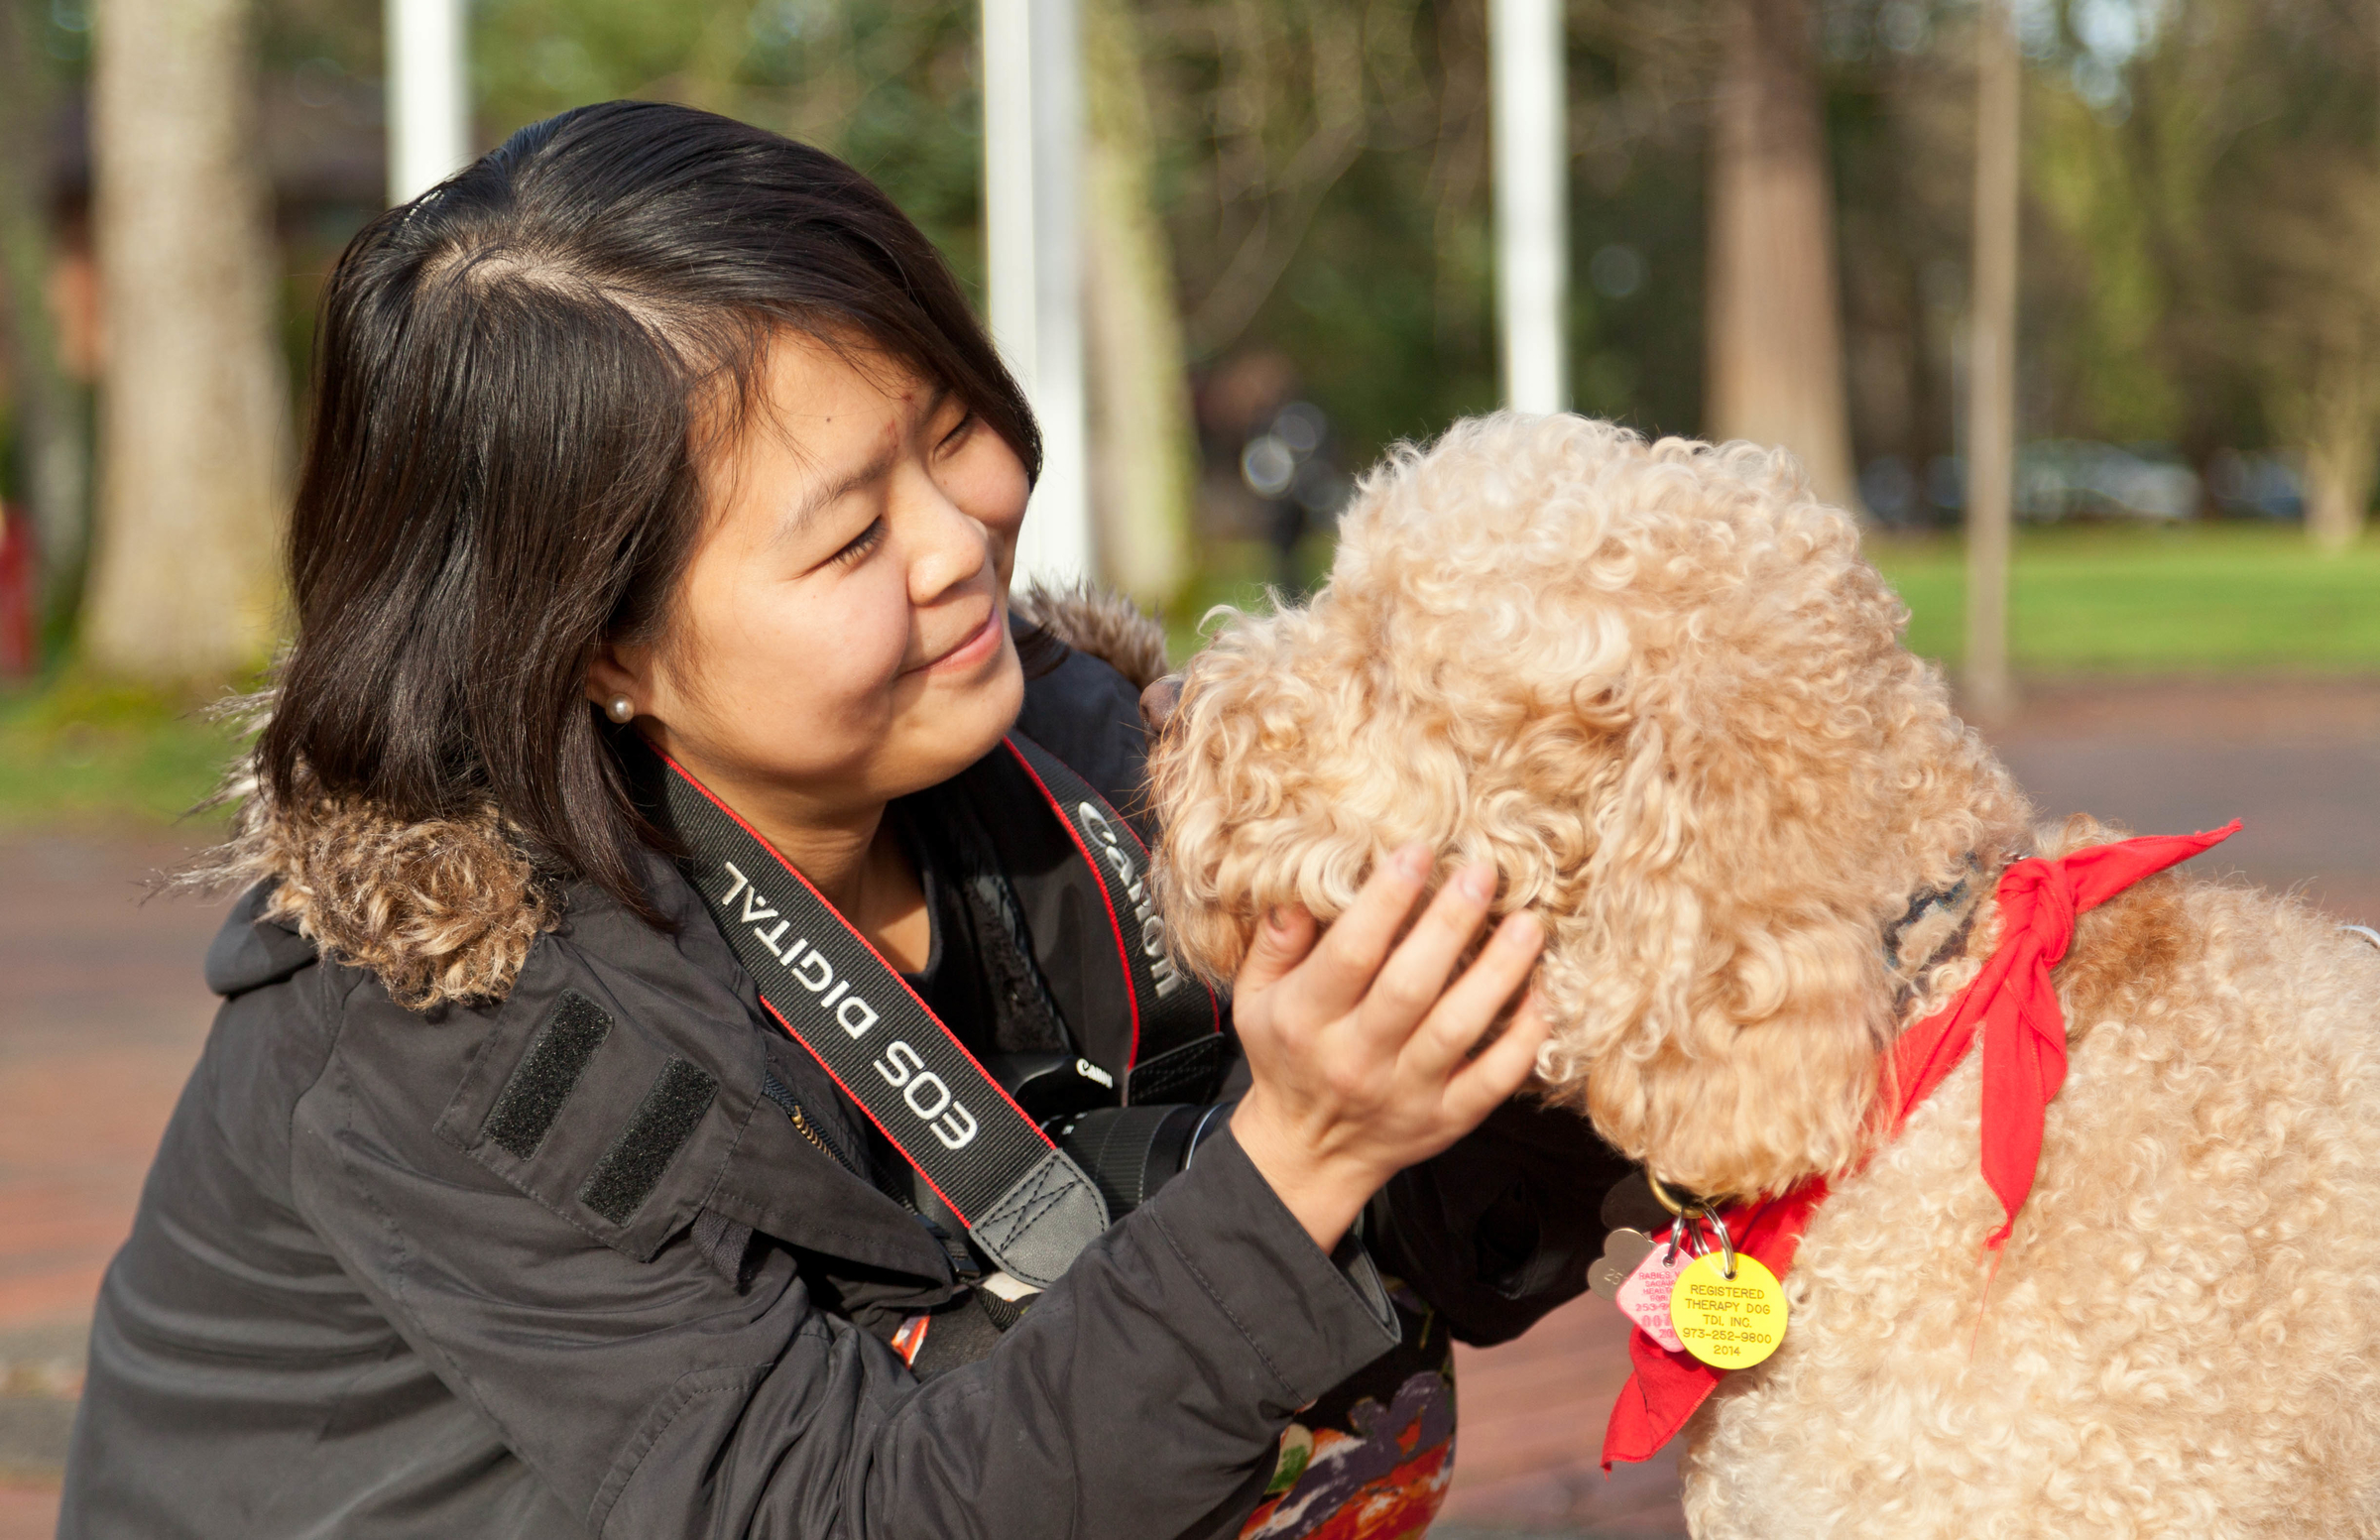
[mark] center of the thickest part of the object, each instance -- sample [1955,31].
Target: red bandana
[2015,1004]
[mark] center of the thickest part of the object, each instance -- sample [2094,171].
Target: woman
[656,457]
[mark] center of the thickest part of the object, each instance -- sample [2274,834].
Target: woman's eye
[959,431]
[861,544]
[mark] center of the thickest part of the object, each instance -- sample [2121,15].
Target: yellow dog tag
[1728,1322]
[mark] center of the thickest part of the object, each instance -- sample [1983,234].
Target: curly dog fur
[1657,686]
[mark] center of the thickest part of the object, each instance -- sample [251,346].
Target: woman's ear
[616,672]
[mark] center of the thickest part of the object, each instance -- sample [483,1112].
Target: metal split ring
[1687,1232]
[1726,1243]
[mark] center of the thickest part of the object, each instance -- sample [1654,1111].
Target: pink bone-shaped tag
[1644,1298]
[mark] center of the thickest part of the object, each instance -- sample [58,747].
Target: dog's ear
[1238,830]
[1723,971]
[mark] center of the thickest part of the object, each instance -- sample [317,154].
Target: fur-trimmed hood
[438,910]
[445,909]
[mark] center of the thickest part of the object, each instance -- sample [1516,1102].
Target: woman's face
[841,633]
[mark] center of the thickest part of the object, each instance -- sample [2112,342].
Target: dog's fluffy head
[1658,688]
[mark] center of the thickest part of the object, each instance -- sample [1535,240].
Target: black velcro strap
[663,1123]
[1189,1073]
[1170,1009]
[547,1075]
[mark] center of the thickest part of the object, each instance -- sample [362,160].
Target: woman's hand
[1363,1054]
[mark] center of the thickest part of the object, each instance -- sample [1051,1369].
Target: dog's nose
[1158,700]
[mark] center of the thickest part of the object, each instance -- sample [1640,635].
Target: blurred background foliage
[2200,265]
[2203,182]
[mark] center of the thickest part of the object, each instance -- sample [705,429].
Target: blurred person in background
[653,447]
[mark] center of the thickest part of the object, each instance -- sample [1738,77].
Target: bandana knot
[2044,891]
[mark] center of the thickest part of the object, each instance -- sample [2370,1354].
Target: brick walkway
[102,1016]
[104,1013]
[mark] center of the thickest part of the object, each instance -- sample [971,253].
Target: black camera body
[1128,1151]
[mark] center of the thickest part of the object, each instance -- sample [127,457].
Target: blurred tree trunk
[1142,448]
[52,454]
[1991,364]
[1775,340]
[193,408]
[2316,336]
[2333,422]
[2338,413]
[2339,423]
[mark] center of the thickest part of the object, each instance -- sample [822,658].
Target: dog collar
[1933,928]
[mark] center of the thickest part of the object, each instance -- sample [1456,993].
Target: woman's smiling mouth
[972,649]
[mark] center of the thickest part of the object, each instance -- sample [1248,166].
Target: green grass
[73,752]
[2195,599]
[2084,599]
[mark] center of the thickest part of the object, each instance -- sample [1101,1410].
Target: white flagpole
[1532,239]
[429,102]
[1032,131]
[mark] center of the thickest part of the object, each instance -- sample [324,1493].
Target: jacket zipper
[802,1126]
[783,1097]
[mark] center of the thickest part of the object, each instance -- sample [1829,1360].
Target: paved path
[102,1013]
[2300,763]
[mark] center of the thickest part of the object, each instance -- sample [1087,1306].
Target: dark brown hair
[510,376]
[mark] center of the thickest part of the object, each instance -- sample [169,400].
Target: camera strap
[1023,1201]
[1177,1022]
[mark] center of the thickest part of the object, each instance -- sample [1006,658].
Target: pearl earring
[621,710]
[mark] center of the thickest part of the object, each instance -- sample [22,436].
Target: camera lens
[1131,1151]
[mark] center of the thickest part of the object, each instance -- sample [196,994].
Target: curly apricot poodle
[1657,684]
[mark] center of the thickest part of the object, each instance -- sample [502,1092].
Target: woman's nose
[948,547]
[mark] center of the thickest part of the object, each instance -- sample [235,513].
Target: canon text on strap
[1145,908]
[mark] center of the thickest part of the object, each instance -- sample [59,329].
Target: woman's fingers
[1466,1007]
[1342,967]
[1362,1052]
[1282,942]
[1503,1067]
[1415,976]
